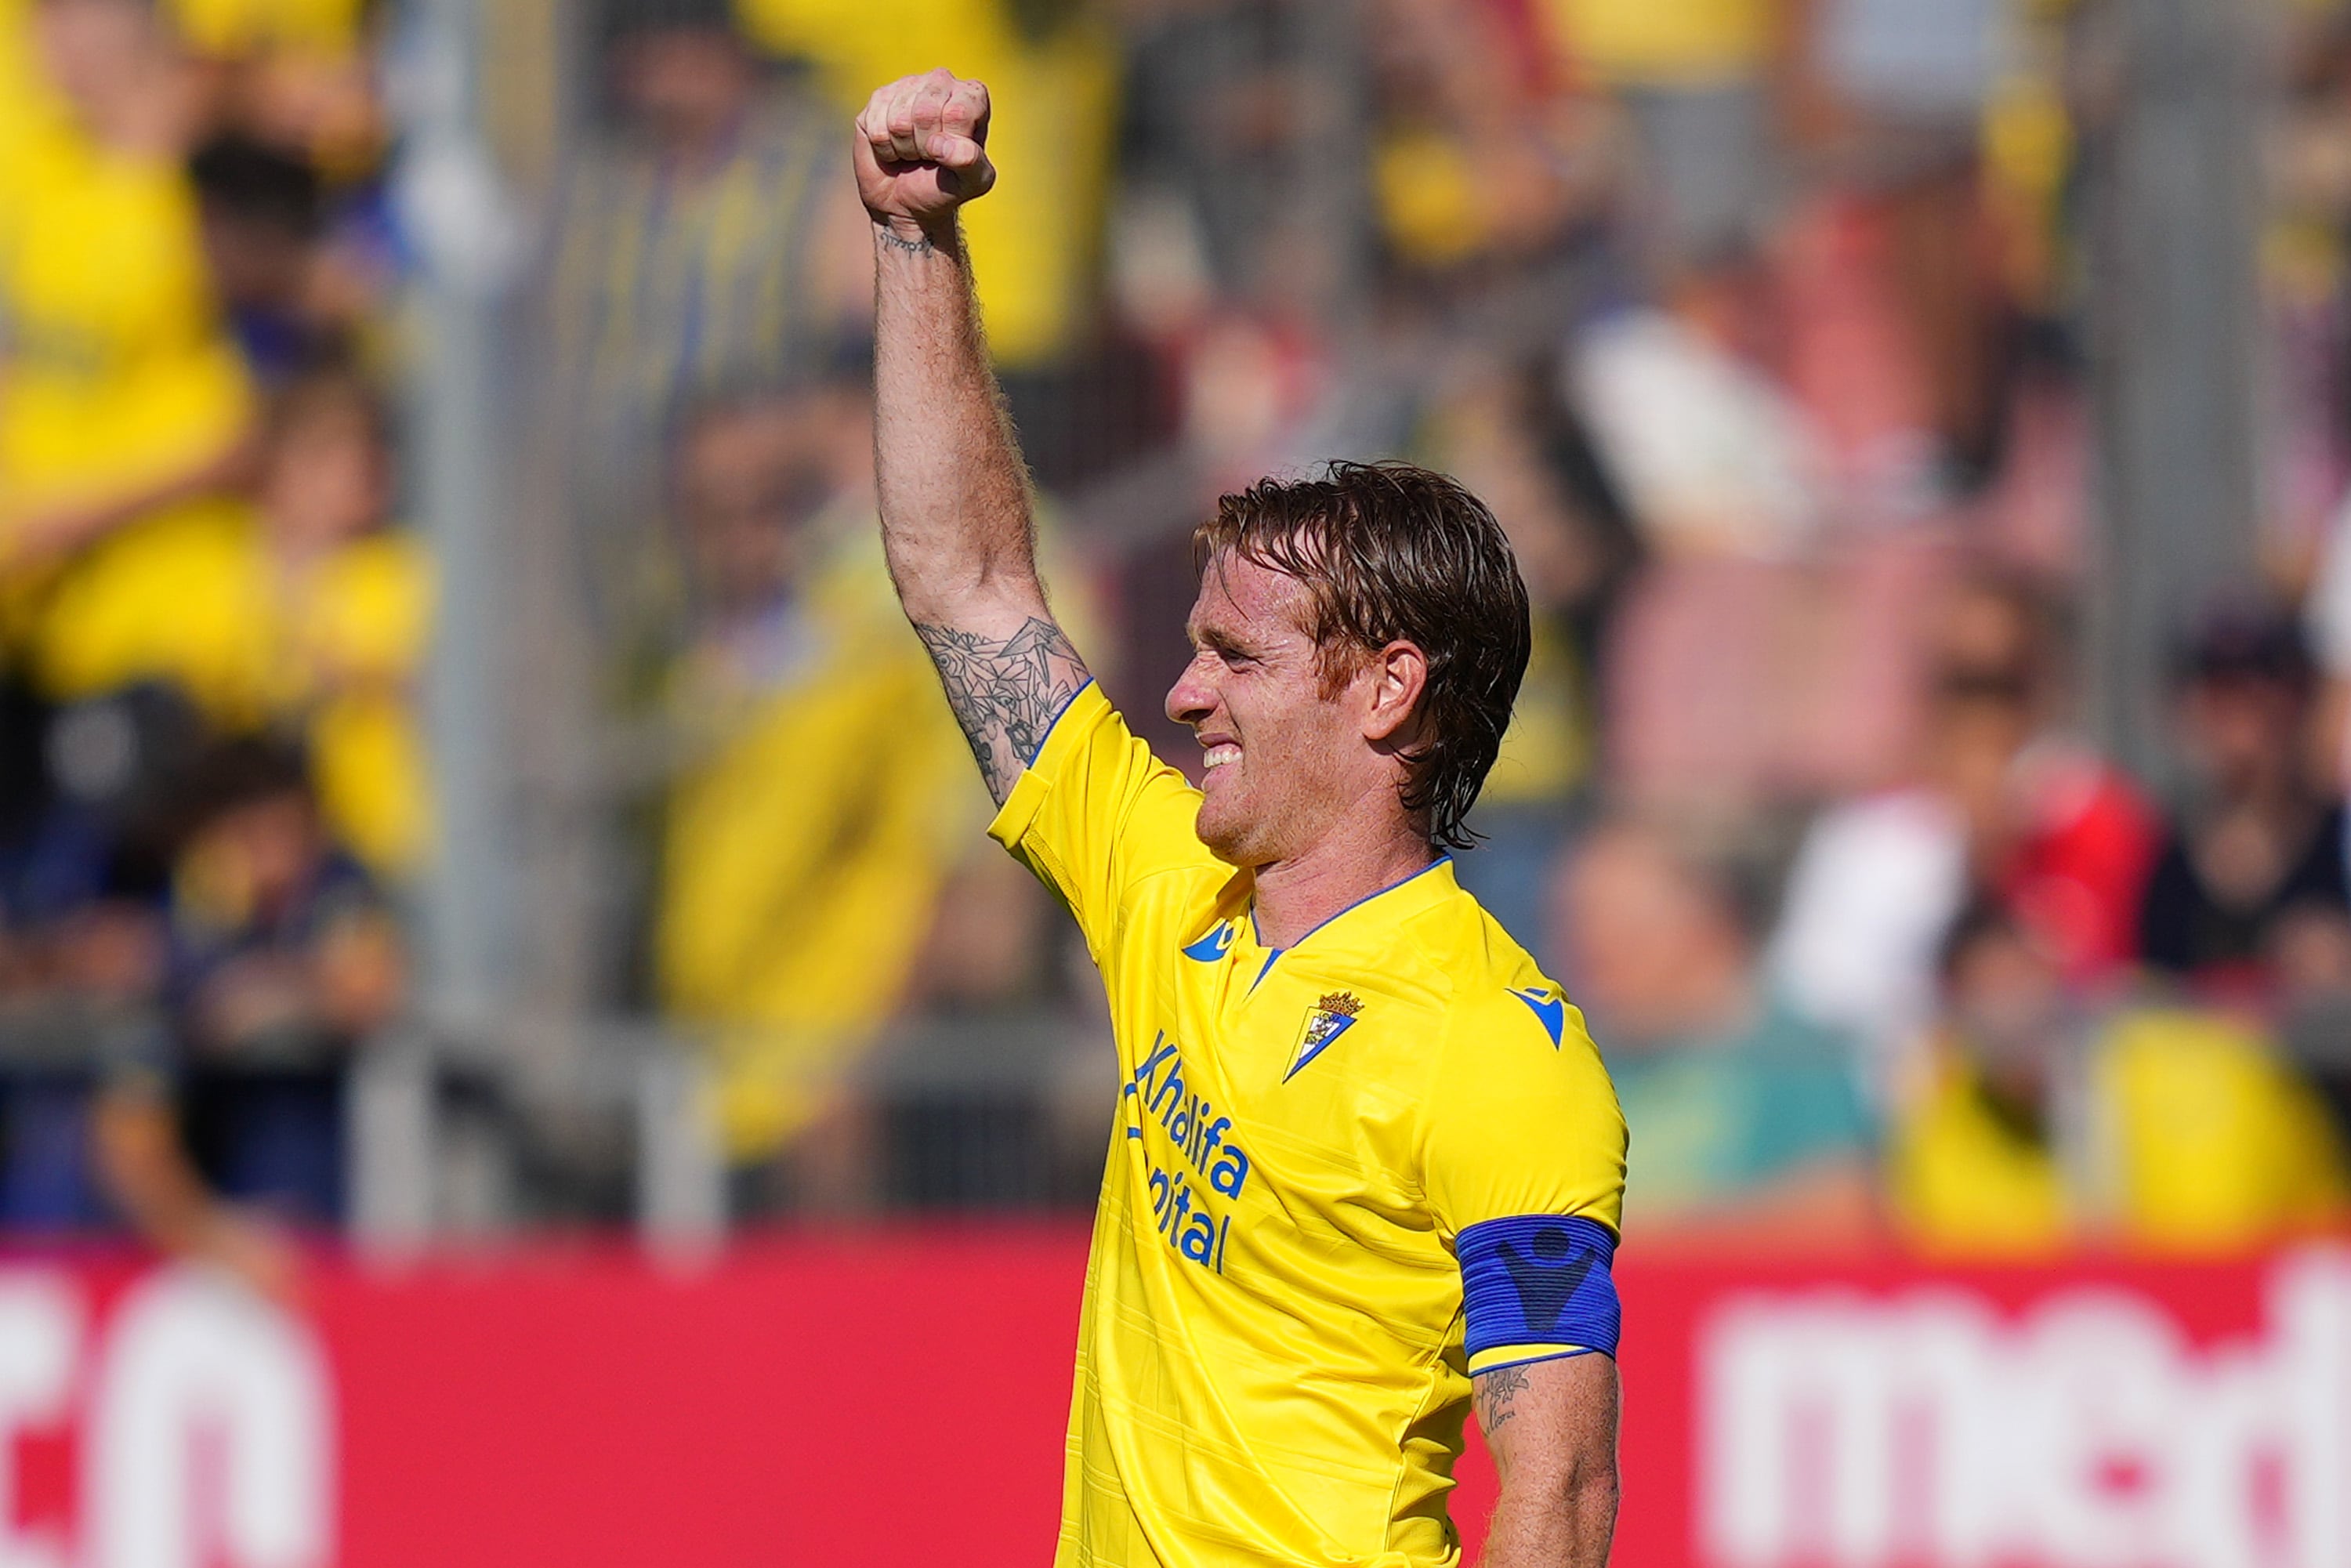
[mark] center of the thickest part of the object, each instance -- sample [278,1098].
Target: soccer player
[1367,1164]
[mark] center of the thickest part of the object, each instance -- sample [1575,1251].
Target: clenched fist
[921,152]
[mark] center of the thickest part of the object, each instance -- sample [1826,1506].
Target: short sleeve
[1096,815]
[1523,1165]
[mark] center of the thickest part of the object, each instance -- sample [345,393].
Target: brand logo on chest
[1212,947]
[1332,1016]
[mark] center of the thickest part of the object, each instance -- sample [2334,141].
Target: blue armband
[1537,1286]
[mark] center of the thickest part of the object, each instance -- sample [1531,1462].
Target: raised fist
[921,150]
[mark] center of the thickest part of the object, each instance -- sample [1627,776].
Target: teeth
[1220,756]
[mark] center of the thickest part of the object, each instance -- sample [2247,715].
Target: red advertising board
[897,1397]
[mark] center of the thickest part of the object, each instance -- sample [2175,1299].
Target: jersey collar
[1397,902]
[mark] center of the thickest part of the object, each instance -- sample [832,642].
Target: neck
[1342,869]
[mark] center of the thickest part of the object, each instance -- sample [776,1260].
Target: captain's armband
[1536,1287]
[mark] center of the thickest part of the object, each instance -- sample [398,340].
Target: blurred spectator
[290,74]
[1892,102]
[284,960]
[712,239]
[348,609]
[302,610]
[2250,891]
[1695,78]
[264,214]
[179,1028]
[1036,241]
[1746,1119]
[93,799]
[81,1022]
[122,398]
[2003,801]
[1469,101]
[1710,453]
[824,795]
[2034,1125]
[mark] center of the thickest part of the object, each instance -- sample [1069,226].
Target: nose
[1192,698]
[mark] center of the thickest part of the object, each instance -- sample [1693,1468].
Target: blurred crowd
[1761,324]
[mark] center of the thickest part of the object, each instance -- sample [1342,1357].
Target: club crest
[1334,1016]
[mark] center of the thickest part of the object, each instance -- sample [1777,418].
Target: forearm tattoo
[1006,694]
[896,241]
[1495,1393]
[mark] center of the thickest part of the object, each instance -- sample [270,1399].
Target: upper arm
[1523,1165]
[1521,1117]
[1007,689]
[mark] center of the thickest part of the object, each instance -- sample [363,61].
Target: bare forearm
[1555,1525]
[146,1174]
[1551,1426]
[956,518]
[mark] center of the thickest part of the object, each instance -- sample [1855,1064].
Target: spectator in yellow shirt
[2160,1129]
[1034,241]
[710,239]
[1694,78]
[794,902]
[300,610]
[122,399]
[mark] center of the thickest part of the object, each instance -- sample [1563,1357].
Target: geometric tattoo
[1006,694]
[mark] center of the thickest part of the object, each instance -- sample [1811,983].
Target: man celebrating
[1366,1160]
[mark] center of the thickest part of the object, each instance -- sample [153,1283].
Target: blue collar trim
[1272,953]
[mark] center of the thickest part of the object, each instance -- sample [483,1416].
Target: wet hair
[1389,552]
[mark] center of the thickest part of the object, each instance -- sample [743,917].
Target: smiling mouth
[1222,755]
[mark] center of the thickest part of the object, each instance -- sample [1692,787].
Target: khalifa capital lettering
[1197,1171]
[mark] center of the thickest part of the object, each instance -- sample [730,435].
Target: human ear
[1394,677]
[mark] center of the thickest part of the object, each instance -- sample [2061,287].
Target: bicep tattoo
[1495,1393]
[1006,693]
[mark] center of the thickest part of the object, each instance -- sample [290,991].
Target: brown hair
[1389,551]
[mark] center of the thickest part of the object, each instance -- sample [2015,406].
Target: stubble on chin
[1225,837]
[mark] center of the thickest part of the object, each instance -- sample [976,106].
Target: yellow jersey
[231,29]
[1687,43]
[195,597]
[1343,1178]
[2195,1138]
[116,368]
[795,900]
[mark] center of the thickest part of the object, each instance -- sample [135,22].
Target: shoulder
[1486,985]
[1519,1116]
[1503,1020]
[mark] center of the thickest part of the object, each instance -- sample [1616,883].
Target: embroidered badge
[1334,1016]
